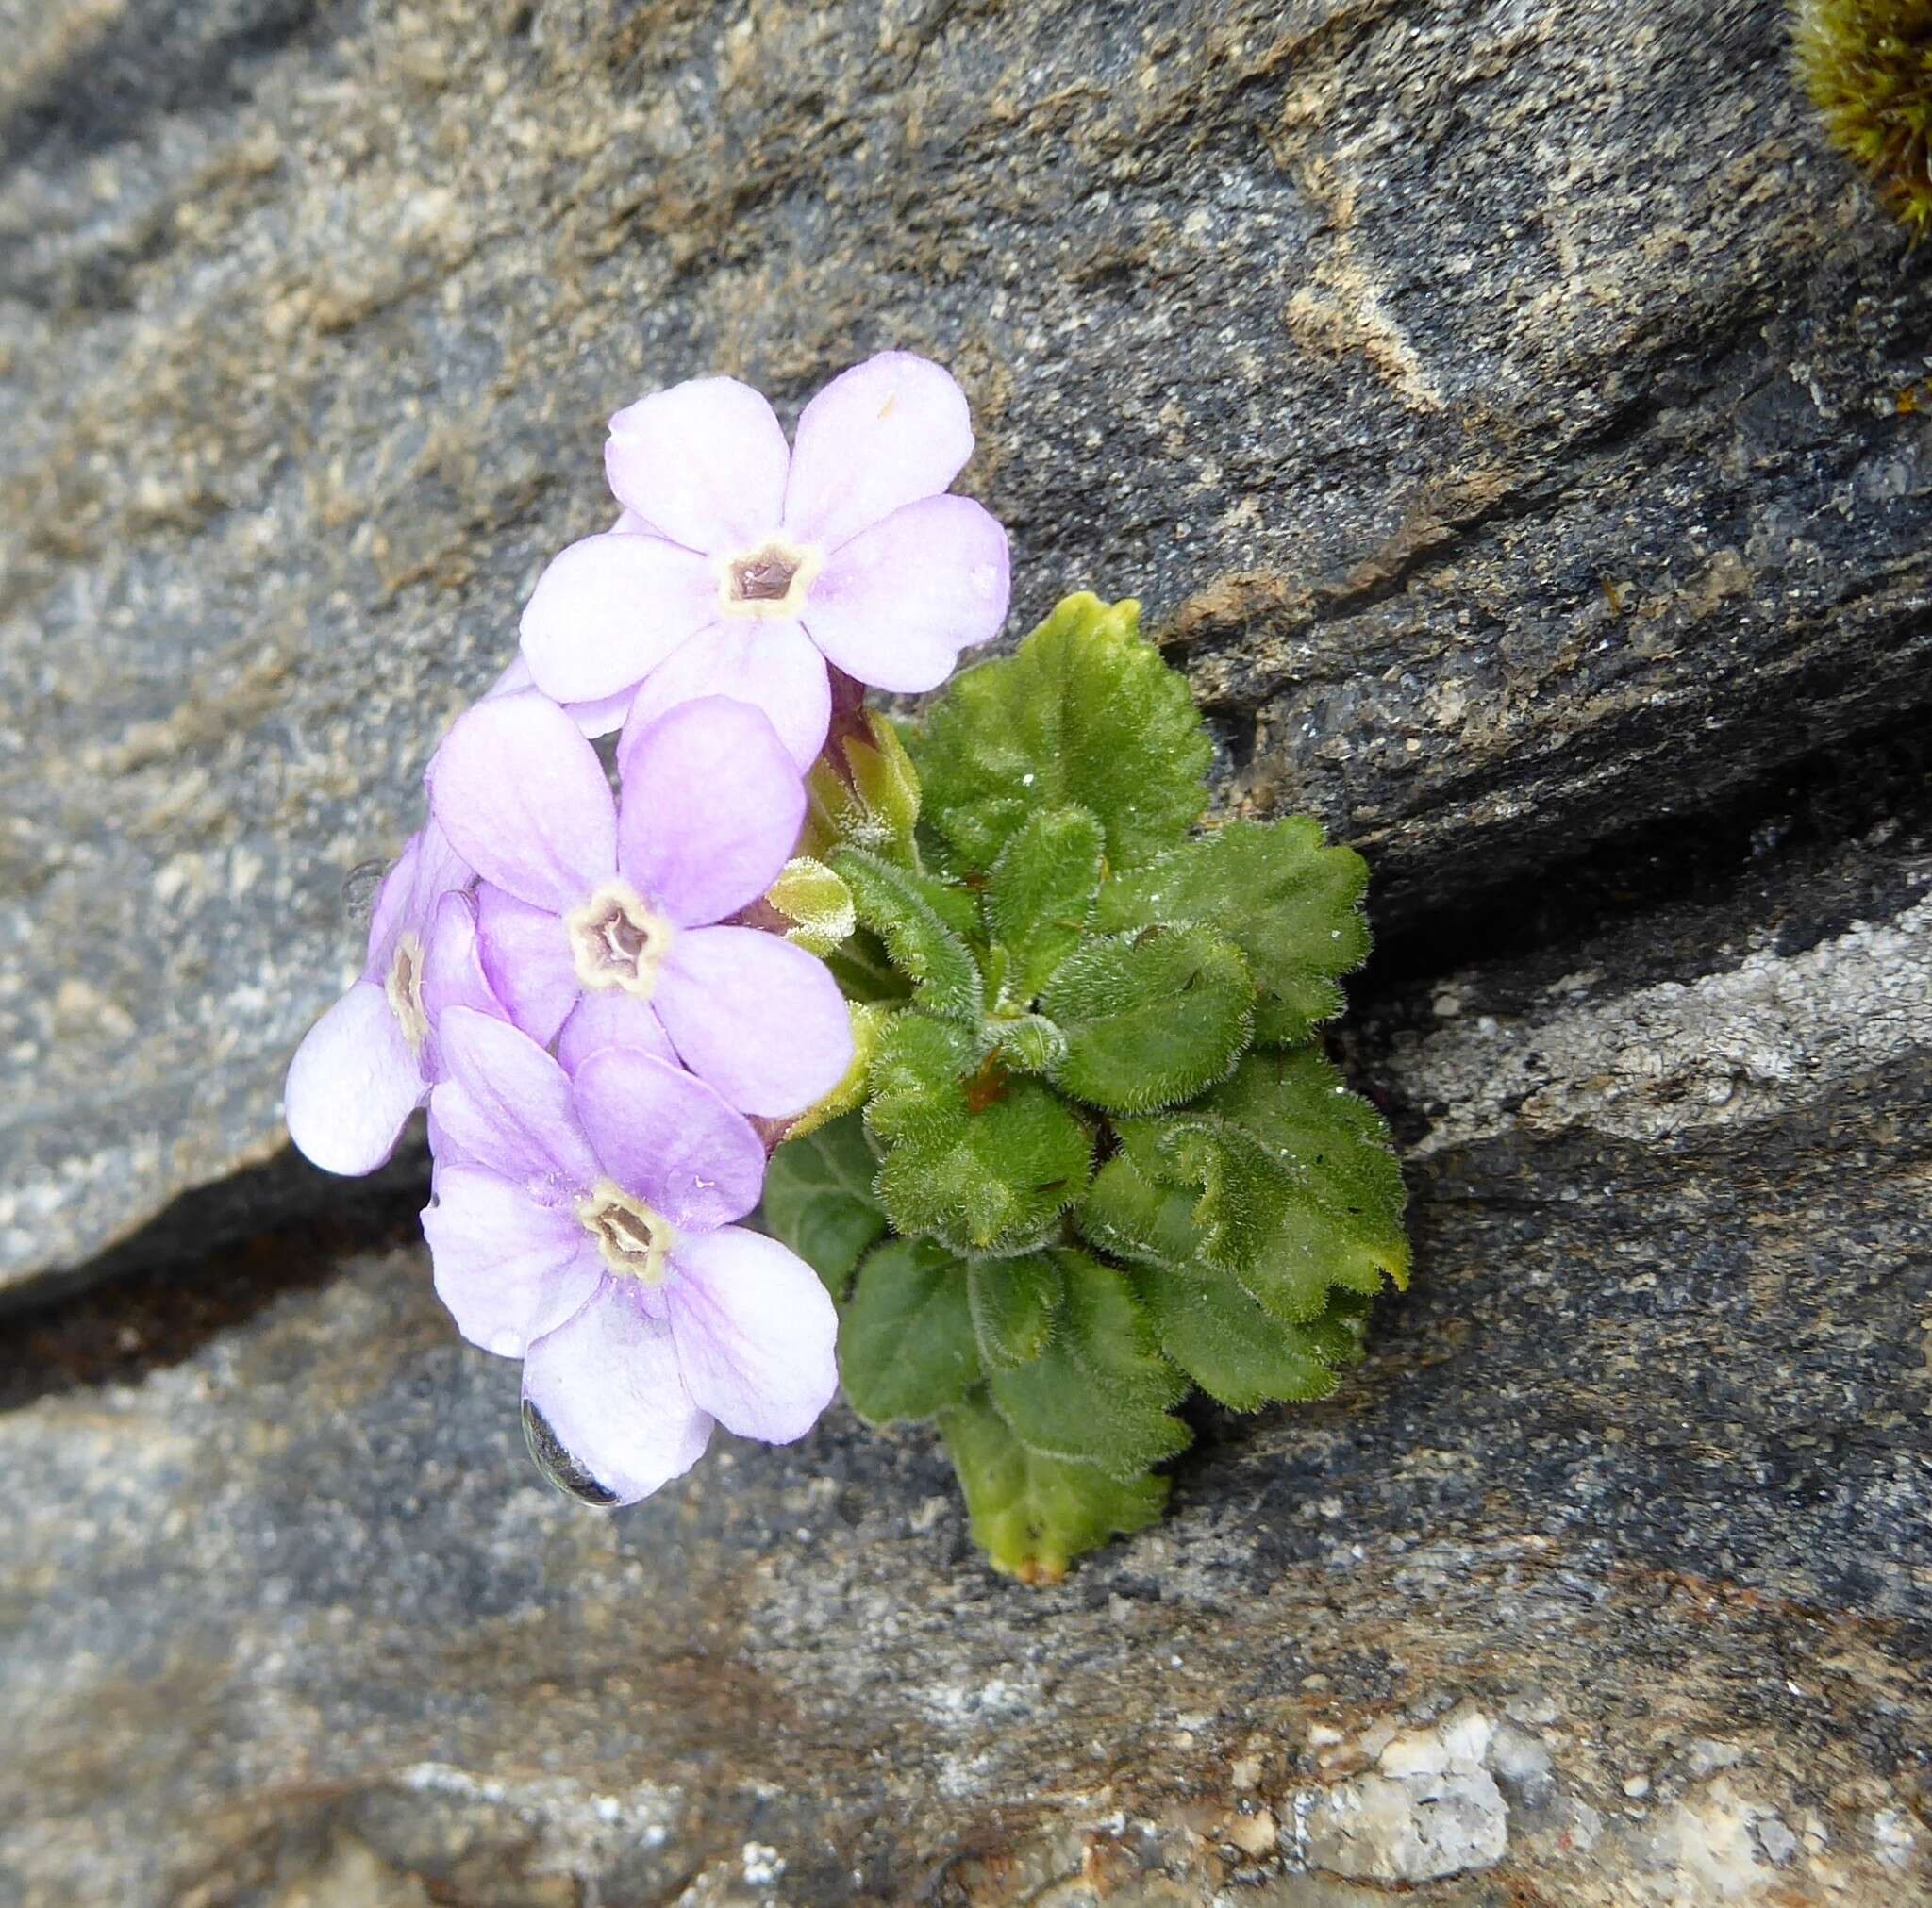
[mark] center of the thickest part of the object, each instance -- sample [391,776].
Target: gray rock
[1412,1828]
[1505,411]
[1639,1465]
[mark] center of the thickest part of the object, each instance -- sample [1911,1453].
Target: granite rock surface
[1516,423]
[1508,409]
[1602,1582]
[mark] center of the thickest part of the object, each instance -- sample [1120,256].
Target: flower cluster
[587,990]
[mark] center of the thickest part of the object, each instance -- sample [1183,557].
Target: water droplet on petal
[359,886]
[559,1465]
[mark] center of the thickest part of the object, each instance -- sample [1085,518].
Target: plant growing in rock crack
[1095,1154]
[1057,1139]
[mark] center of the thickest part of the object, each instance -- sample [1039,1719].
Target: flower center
[634,1240]
[403,988]
[618,940]
[769,582]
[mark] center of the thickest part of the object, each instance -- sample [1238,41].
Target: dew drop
[559,1465]
[359,886]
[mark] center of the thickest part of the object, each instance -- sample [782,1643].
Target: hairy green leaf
[984,1160]
[819,904]
[1013,1306]
[1140,1218]
[1087,712]
[1031,1514]
[1290,905]
[819,1200]
[906,1343]
[1039,897]
[1029,1043]
[863,791]
[1299,1189]
[922,924]
[1099,1392]
[1150,1017]
[1228,1345]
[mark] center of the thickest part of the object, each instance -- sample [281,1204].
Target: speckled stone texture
[1602,1584]
[1518,426]
[1507,409]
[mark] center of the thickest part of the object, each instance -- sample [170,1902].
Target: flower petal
[522,796]
[439,871]
[702,463]
[609,609]
[605,1389]
[608,1016]
[887,432]
[352,1085]
[711,812]
[668,1139]
[596,717]
[505,1107]
[773,666]
[528,961]
[754,1329]
[386,920]
[897,604]
[453,974]
[508,1269]
[760,1020]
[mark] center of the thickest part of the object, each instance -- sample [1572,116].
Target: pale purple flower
[742,568]
[584,1223]
[583,897]
[371,1060]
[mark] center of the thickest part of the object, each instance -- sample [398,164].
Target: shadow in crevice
[214,1258]
[1834,797]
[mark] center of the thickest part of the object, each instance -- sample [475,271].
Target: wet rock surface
[1512,417]
[1510,413]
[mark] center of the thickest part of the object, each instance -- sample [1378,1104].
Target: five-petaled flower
[583,1222]
[742,567]
[371,1060]
[582,1206]
[617,903]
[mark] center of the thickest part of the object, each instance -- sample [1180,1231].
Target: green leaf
[1299,1189]
[910,913]
[1087,712]
[863,791]
[1039,897]
[819,904]
[1029,1043]
[982,1160]
[1013,1306]
[1138,1219]
[1034,1515]
[1099,1393]
[1232,1349]
[1290,905]
[819,1200]
[906,1344]
[1150,1017]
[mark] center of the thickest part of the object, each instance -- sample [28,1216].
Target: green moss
[1868,67]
